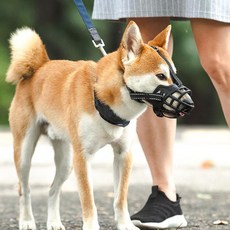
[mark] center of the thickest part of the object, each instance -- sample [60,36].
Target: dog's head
[150,74]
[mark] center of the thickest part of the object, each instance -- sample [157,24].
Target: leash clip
[100,46]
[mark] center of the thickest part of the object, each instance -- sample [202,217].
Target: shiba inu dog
[82,106]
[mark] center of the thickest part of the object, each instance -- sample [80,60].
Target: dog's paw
[27,225]
[127,226]
[91,226]
[55,226]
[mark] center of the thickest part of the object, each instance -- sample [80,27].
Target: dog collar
[107,113]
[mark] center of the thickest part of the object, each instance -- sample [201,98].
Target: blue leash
[96,39]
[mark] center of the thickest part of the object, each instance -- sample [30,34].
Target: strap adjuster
[100,43]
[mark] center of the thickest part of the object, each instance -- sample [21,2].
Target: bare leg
[214,52]
[157,135]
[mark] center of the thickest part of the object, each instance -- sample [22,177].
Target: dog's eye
[161,77]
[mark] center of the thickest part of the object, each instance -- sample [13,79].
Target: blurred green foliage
[65,36]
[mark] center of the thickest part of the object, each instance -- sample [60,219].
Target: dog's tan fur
[56,98]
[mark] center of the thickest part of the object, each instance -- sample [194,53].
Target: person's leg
[156,134]
[214,53]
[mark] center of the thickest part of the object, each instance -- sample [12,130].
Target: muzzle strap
[174,77]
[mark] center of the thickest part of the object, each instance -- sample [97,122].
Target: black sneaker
[159,212]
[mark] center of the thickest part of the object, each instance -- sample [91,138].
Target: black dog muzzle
[171,101]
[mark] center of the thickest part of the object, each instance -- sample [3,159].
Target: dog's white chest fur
[95,133]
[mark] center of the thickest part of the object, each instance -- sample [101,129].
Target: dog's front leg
[85,189]
[122,168]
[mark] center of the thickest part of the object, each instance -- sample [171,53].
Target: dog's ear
[131,43]
[162,39]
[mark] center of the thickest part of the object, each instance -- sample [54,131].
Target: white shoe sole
[173,222]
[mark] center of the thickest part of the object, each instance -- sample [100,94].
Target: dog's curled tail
[28,54]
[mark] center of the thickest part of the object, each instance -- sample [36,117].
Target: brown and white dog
[57,98]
